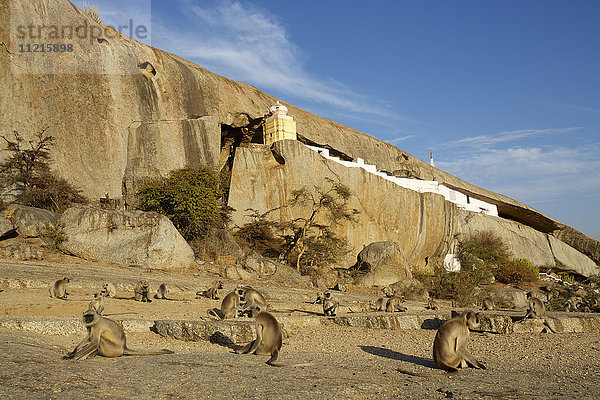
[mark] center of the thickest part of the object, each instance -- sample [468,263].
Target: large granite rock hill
[121,111]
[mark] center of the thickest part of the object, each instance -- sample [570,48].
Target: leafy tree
[190,198]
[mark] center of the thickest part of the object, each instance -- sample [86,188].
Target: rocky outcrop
[7,228]
[30,220]
[382,263]
[567,259]
[543,250]
[132,238]
[420,223]
[121,110]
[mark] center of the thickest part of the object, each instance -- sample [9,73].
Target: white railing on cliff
[461,200]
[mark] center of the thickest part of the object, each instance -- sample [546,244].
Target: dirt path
[346,363]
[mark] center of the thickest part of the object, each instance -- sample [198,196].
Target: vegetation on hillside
[92,12]
[308,241]
[484,258]
[28,166]
[191,198]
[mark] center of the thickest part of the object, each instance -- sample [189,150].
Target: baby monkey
[59,289]
[140,293]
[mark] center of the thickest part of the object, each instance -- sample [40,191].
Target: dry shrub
[261,235]
[458,286]
[50,193]
[517,271]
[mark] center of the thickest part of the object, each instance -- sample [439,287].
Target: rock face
[385,263]
[423,225]
[29,220]
[6,228]
[132,238]
[121,110]
[420,223]
[541,249]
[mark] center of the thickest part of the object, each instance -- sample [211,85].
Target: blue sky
[506,93]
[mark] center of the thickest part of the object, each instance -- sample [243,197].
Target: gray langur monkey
[109,290]
[251,296]
[140,293]
[212,292]
[432,304]
[162,292]
[449,352]
[537,310]
[269,337]
[104,337]
[380,303]
[97,304]
[319,299]
[573,303]
[59,288]
[330,305]
[488,304]
[230,306]
[393,304]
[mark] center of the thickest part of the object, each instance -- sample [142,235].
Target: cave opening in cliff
[233,137]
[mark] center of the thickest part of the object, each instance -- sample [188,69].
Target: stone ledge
[241,330]
[393,320]
[66,326]
[224,332]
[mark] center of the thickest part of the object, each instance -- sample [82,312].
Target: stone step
[67,326]
[241,330]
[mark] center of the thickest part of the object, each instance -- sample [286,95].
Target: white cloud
[249,44]
[508,136]
[528,174]
[399,139]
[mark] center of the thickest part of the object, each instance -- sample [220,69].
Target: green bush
[53,234]
[484,249]
[191,198]
[517,271]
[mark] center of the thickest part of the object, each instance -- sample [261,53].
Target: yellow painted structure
[279,125]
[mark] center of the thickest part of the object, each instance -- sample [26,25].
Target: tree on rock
[311,239]
[28,165]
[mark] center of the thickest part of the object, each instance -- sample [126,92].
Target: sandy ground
[345,363]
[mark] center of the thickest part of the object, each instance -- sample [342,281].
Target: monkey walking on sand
[269,337]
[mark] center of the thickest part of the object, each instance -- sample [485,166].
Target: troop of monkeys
[140,292]
[106,337]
